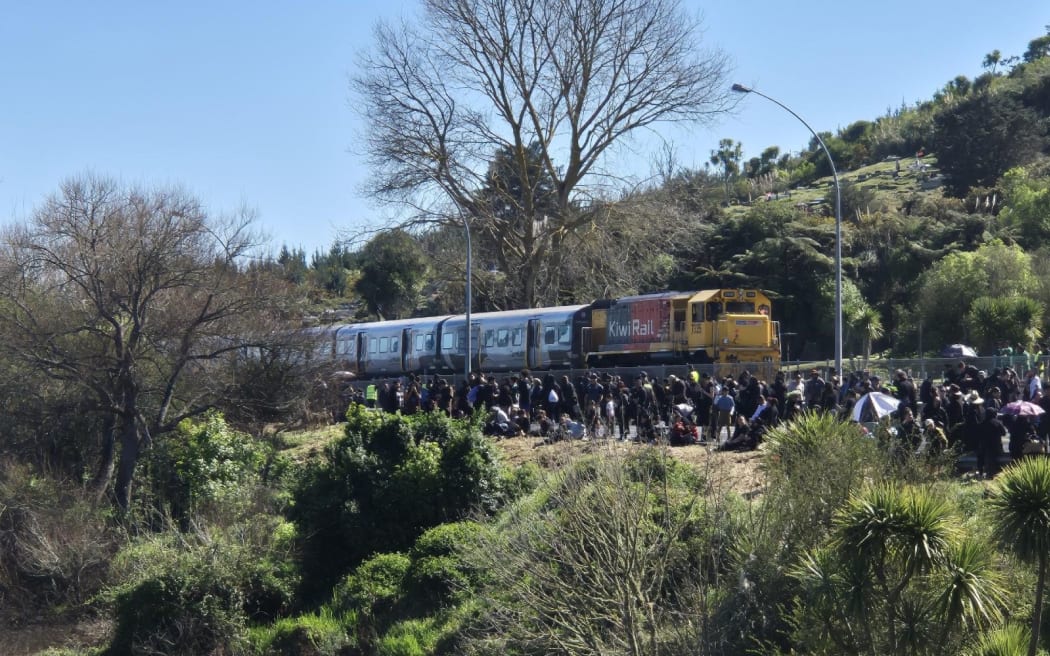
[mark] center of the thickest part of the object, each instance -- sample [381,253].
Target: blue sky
[247,103]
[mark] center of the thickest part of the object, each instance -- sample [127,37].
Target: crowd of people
[734,412]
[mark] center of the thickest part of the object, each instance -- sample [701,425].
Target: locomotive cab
[732,325]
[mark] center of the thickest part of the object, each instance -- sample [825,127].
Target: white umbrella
[881,405]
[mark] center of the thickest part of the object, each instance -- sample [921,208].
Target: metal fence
[916,368]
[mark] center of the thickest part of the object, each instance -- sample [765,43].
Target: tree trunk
[529,276]
[1037,611]
[104,474]
[129,456]
[129,446]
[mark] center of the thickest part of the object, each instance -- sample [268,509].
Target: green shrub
[521,480]
[385,482]
[316,634]
[812,465]
[373,593]
[410,638]
[192,593]
[375,586]
[437,574]
[205,464]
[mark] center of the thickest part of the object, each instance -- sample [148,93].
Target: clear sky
[247,103]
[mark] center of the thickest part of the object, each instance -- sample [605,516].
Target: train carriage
[537,338]
[388,348]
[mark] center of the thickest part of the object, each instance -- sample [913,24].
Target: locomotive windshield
[740,307]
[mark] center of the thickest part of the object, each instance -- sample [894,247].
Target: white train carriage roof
[394,325]
[562,311]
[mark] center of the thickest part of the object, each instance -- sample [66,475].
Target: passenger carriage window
[516,339]
[564,335]
[371,344]
[490,338]
[429,343]
[384,344]
[502,338]
[395,345]
[550,335]
[419,341]
[448,341]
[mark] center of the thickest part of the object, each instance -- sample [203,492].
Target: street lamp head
[740,88]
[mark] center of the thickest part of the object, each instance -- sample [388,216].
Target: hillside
[891,183]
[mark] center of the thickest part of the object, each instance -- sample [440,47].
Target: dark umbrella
[1021,409]
[958,351]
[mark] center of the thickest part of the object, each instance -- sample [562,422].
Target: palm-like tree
[892,534]
[1004,641]
[992,60]
[869,324]
[899,576]
[1021,504]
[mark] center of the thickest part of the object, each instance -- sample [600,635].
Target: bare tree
[134,296]
[600,562]
[548,88]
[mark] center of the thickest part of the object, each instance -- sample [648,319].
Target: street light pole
[466,366]
[739,88]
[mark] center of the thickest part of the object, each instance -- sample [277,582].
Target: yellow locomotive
[711,326]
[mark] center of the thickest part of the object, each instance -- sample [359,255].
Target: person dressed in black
[741,439]
[906,393]
[990,432]
[910,432]
[570,403]
[767,419]
[1021,434]
[969,432]
[934,410]
[793,406]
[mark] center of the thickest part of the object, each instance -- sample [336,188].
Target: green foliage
[897,575]
[373,594]
[811,466]
[950,286]
[601,559]
[206,464]
[438,574]
[196,593]
[1021,505]
[416,637]
[1027,206]
[1010,319]
[981,137]
[388,480]
[808,496]
[1009,640]
[315,634]
[393,270]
